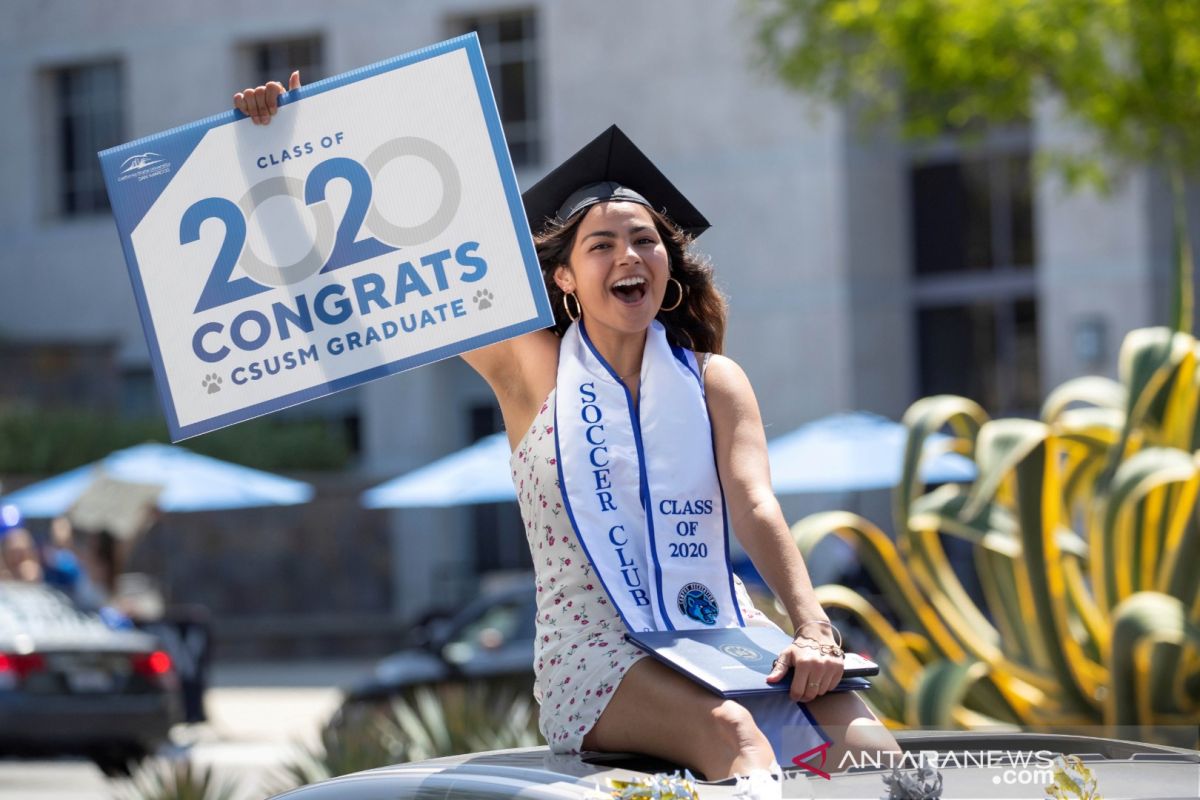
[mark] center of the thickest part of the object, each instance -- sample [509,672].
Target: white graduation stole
[640,485]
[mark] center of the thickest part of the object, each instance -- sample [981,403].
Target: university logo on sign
[374,226]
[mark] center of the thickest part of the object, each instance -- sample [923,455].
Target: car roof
[534,772]
[36,617]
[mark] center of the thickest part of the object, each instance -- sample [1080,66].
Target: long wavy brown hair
[697,323]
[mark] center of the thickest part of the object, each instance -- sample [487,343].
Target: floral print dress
[581,652]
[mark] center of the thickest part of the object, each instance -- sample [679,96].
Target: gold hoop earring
[567,307]
[678,286]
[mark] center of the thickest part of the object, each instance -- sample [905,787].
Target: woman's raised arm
[521,371]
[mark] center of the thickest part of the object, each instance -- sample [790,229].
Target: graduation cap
[610,167]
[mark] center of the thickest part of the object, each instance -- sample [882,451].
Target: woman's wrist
[819,634]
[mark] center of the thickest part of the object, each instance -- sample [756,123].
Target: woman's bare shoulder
[728,392]
[724,376]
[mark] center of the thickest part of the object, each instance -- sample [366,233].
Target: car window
[495,627]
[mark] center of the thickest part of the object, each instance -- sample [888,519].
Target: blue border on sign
[130,204]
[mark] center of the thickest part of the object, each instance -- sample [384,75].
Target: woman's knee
[736,727]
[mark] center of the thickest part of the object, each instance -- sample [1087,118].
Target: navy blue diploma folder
[733,662]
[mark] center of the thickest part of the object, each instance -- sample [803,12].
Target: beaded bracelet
[823,649]
[836,633]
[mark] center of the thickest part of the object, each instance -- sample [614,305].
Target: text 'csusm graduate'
[636,446]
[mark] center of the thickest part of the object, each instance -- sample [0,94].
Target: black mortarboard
[610,167]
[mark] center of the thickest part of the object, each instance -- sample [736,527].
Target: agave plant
[371,742]
[448,719]
[175,780]
[464,718]
[1087,549]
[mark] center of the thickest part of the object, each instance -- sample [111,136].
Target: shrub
[1086,544]
[41,442]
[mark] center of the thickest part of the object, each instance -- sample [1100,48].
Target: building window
[509,43]
[986,351]
[275,59]
[973,214]
[59,375]
[87,118]
[139,399]
[974,286]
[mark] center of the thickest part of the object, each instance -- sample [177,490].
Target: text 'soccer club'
[374,226]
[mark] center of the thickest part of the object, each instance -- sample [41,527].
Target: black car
[491,638]
[71,685]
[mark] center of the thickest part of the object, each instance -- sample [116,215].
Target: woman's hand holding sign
[261,102]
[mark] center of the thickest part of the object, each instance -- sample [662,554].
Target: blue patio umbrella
[856,451]
[845,452]
[191,482]
[476,474]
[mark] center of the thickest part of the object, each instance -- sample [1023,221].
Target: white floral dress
[581,653]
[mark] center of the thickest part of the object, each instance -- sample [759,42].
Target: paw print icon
[483,299]
[212,383]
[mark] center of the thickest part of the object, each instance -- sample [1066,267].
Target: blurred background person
[64,566]
[18,551]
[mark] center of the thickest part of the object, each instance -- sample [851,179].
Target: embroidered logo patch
[698,603]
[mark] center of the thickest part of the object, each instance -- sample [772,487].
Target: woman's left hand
[818,667]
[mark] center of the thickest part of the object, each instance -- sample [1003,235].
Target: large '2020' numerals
[219,289]
[344,249]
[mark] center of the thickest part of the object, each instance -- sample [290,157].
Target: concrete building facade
[862,272]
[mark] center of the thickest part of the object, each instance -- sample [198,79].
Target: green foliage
[372,741]
[44,442]
[1085,536]
[175,780]
[1128,70]
[429,722]
[271,444]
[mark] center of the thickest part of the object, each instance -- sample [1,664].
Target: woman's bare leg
[653,704]
[854,730]
[658,712]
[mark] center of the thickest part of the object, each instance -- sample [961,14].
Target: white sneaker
[760,784]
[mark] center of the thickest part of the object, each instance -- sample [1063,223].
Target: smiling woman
[698,323]
[625,401]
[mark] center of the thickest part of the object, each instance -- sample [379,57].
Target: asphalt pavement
[260,715]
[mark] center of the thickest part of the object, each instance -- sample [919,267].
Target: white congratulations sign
[374,226]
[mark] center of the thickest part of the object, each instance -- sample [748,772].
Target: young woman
[628,398]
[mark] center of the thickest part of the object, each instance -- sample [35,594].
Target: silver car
[959,765]
[71,685]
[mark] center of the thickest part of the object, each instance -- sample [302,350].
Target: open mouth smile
[630,290]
